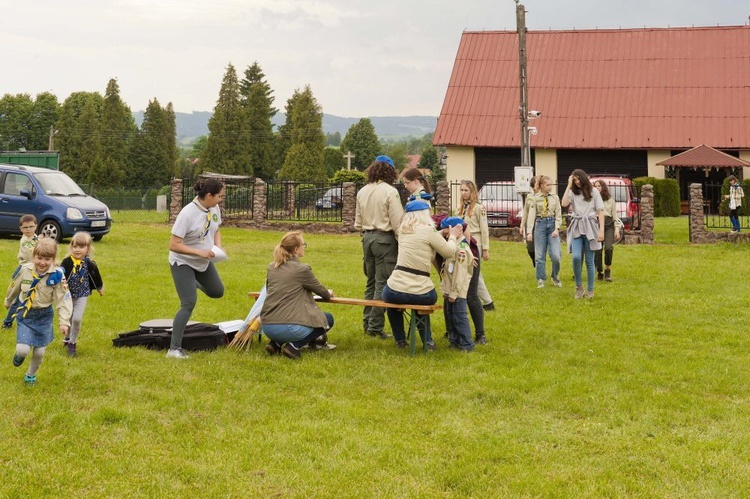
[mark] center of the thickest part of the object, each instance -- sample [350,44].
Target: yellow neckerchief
[207,225]
[29,298]
[76,264]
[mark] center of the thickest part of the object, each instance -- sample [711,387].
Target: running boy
[27,224]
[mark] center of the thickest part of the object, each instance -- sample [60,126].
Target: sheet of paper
[219,255]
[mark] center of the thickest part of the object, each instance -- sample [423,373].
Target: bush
[666,195]
[342,176]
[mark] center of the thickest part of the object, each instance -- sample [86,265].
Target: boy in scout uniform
[455,278]
[378,216]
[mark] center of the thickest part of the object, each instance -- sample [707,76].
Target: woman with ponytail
[195,233]
[290,317]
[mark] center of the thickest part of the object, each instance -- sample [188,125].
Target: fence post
[647,214]
[259,202]
[698,233]
[175,204]
[443,202]
[349,208]
[288,198]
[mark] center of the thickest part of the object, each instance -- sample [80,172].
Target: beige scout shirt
[610,210]
[457,271]
[525,212]
[416,250]
[45,294]
[538,209]
[26,250]
[478,228]
[378,208]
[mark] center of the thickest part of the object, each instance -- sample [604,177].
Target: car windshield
[504,192]
[58,184]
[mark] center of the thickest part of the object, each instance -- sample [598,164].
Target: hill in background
[193,125]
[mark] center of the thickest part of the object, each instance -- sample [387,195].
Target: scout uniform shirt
[27,248]
[478,228]
[44,294]
[197,227]
[457,271]
[544,206]
[378,208]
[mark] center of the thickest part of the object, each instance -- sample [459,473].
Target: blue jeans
[457,323]
[396,316]
[734,218]
[295,334]
[579,247]
[543,241]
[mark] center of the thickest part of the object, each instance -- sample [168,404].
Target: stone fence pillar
[698,233]
[647,214]
[443,194]
[349,208]
[259,202]
[175,205]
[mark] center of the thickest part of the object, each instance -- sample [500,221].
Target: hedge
[666,195]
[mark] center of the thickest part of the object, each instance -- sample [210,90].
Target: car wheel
[97,238]
[50,228]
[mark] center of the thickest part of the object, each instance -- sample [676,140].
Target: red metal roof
[662,88]
[704,156]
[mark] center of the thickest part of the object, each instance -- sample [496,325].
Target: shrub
[342,176]
[666,195]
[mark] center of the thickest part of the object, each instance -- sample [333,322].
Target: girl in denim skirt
[39,285]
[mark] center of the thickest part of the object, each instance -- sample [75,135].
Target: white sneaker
[177,353]
[540,283]
[557,283]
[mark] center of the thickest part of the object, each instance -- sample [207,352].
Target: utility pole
[523,108]
[52,133]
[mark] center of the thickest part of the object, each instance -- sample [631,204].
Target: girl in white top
[475,216]
[586,228]
[194,234]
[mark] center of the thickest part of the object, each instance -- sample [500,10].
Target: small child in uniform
[40,285]
[27,224]
[455,278]
[83,276]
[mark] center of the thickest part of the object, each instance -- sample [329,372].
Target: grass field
[645,391]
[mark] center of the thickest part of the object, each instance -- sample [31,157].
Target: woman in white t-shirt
[195,233]
[586,227]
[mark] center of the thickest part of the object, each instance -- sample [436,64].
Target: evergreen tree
[227,149]
[304,160]
[333,160]
[15,118]
[363,143]
[155,150]
[118,130]
[257,99]
[88,129]
[72,134]
[429,158]
[283,139]
[333,139]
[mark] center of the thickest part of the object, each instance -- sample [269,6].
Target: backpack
[157,335]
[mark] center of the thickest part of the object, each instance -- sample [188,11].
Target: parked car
[331,200]
[503,204]
[626,196]
[58,203]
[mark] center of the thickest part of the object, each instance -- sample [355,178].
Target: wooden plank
[422,309]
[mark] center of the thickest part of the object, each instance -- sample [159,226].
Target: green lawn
[643,392]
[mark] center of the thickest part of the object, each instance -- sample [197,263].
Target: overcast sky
[361,58]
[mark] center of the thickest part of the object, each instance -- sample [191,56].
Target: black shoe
[599,276]
[380,334]
[291,351]
[18,360]
[607,275]
[7,325]
[273,348]
[402,344]
[490,307]
[481,340]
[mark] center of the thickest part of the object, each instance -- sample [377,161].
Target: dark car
[58,203]
[502,203]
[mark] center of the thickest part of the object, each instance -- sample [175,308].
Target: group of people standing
[593,228]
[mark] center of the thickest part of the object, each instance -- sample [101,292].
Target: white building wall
[655,156]
[460,164]
[745,155]
[545,163]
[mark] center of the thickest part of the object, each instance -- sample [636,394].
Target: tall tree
[429,158]
[89,161]
[45,114]
[334,160]
[16,112]
[333,139]
[118,130]
[75,131]
[397,152]
[283,139]
[363,143]
[227,149]
[304,160]
[155,151]
[257,99]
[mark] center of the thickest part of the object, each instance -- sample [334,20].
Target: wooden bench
[415,319]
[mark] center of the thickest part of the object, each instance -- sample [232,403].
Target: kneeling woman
[410,282]
[290,317]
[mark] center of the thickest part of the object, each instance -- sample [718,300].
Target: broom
[251,327]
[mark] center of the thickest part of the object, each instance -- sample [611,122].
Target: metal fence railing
[304,201]
[134,205]
[716,208]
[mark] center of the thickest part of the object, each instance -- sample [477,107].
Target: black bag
[157,335]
